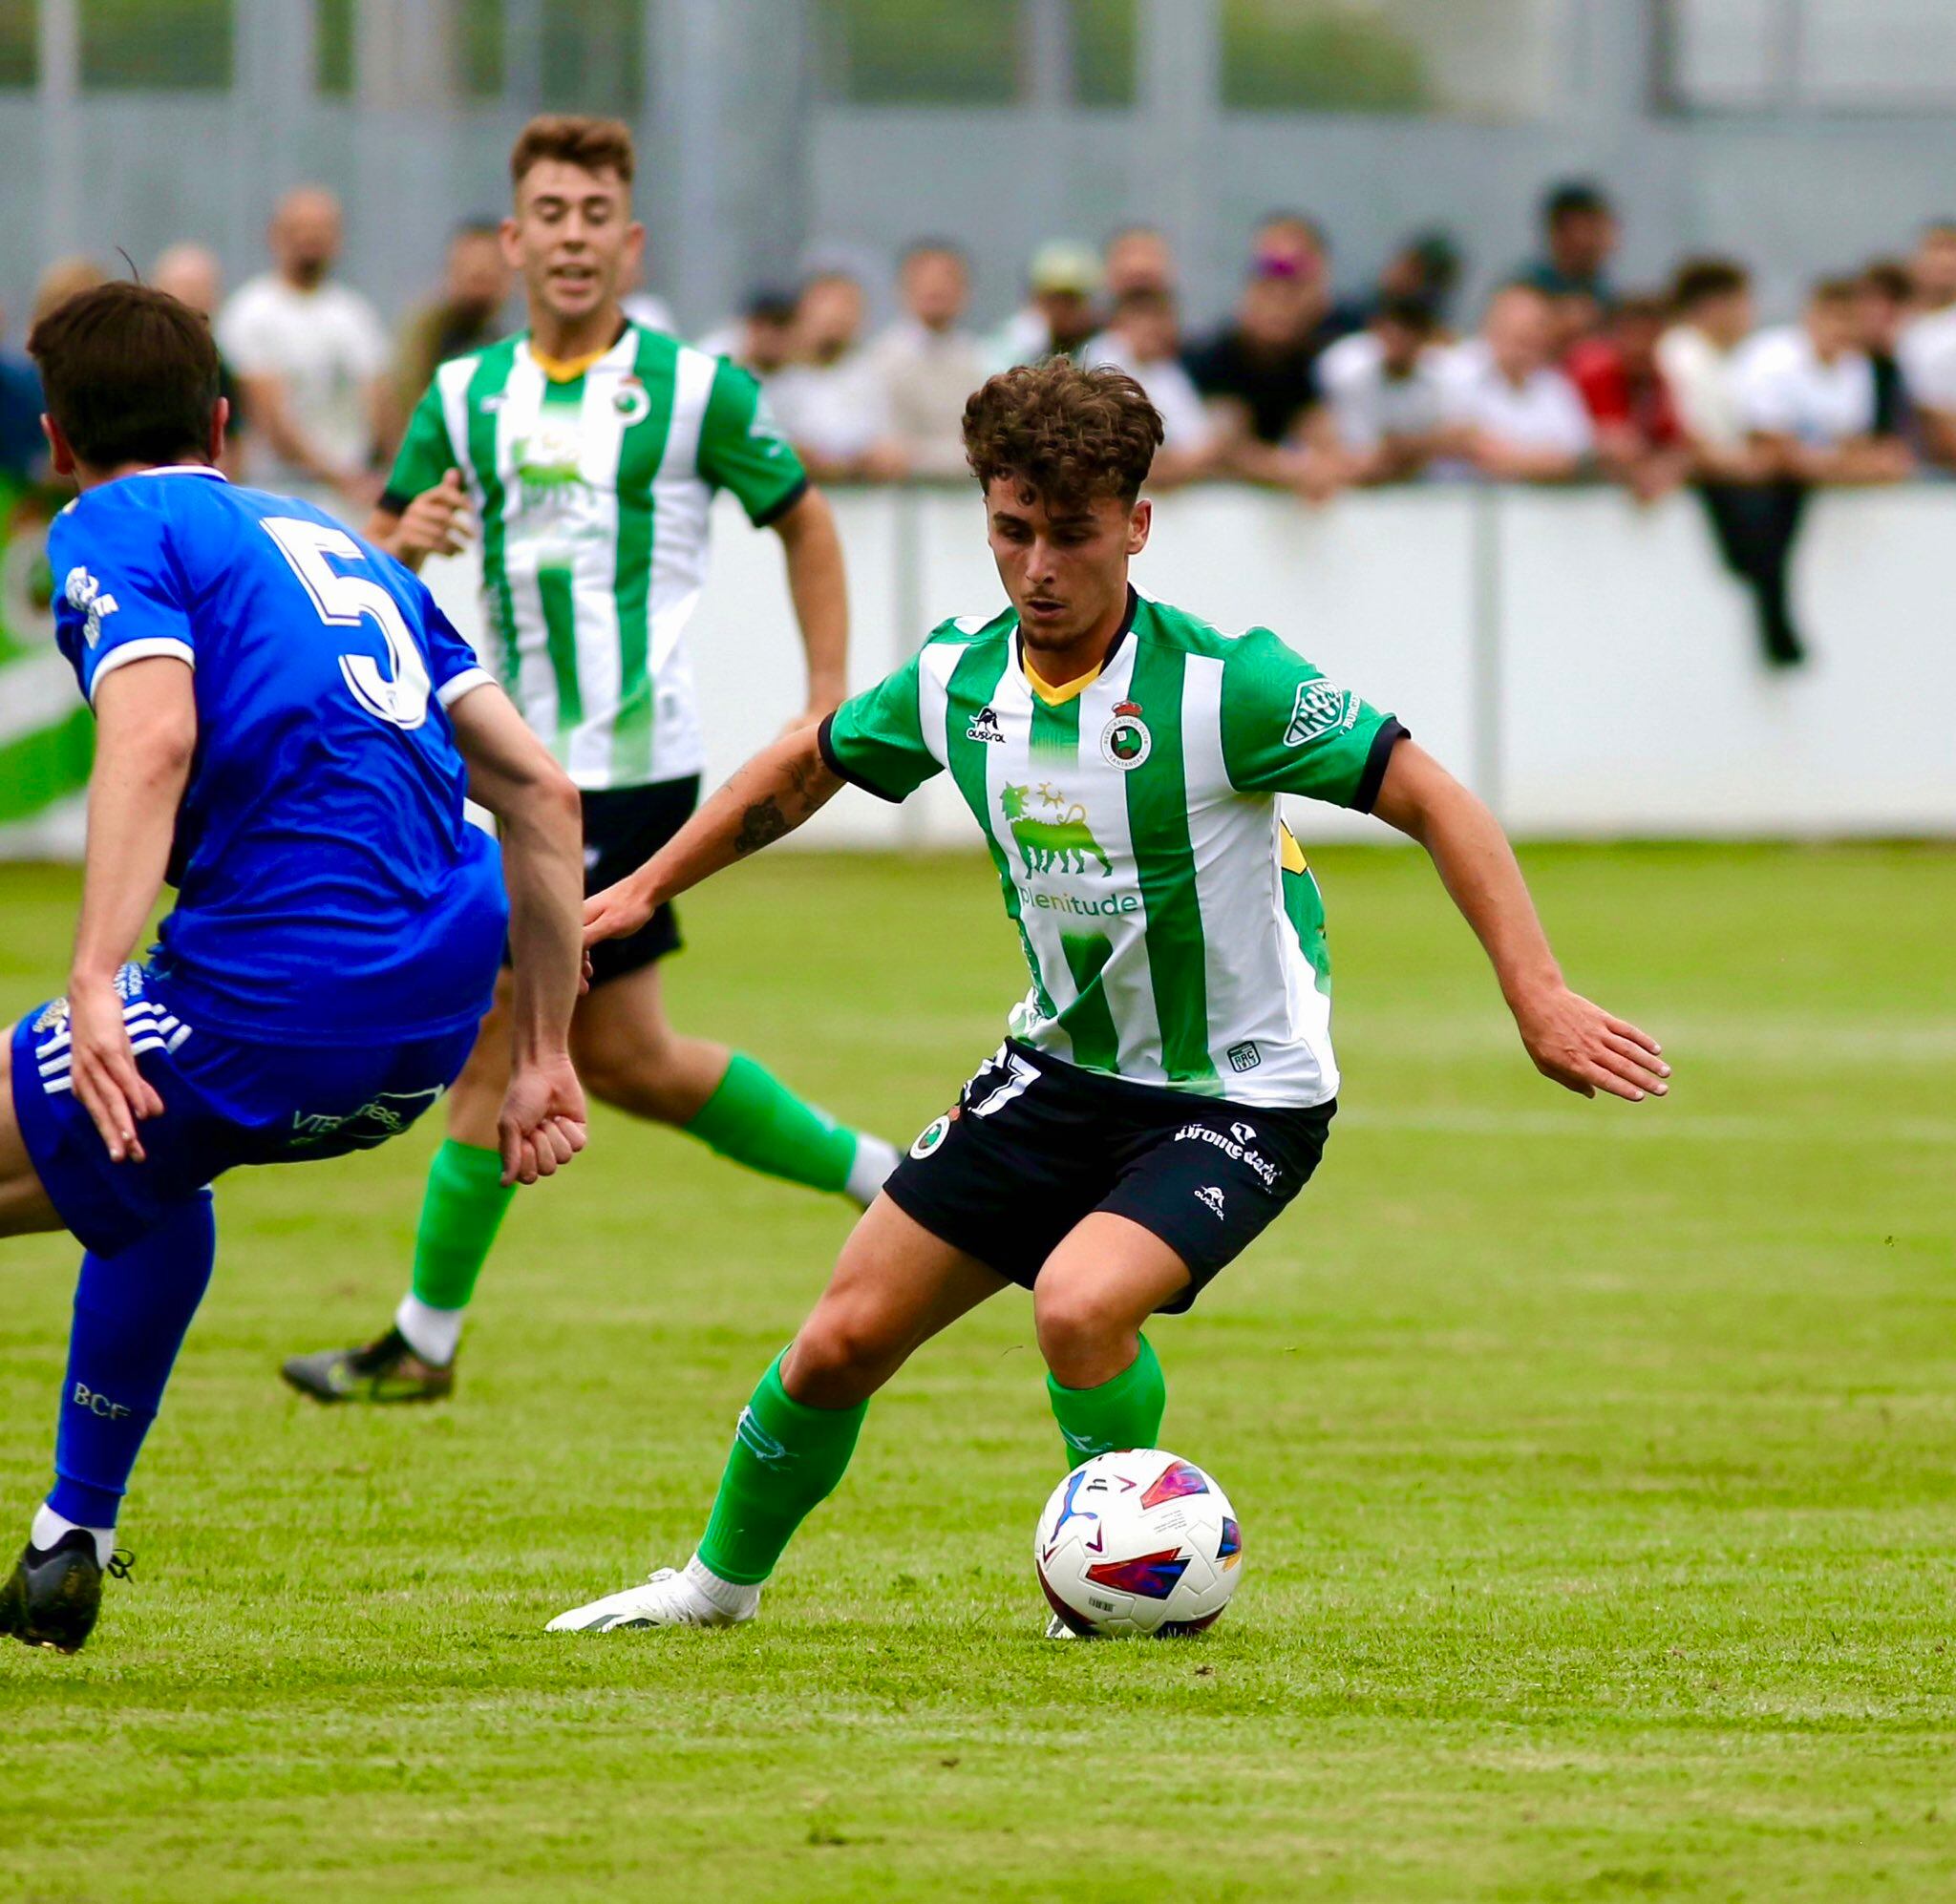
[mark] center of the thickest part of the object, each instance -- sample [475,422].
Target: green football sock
[460,1214]
[1125,1413]
[756,1120]
[785,1462]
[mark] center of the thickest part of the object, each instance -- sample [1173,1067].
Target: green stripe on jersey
[640,453]
[1056,730]
[1089,1020]
[557,591]
[491,378]
[1158,820]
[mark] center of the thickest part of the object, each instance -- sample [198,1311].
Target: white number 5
[345,602]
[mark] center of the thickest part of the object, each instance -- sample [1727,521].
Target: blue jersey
[330,890]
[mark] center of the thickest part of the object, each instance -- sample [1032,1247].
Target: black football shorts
[1034,1144]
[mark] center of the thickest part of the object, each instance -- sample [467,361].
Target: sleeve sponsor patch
[1321,707]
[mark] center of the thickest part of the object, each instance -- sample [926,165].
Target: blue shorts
[225,1103]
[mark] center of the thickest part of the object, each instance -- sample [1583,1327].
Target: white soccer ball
[1139,1541]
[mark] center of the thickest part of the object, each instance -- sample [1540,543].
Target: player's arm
[774,793]
[511,773]
[424,510]
[820,590]
[145,737]
[1576,1043]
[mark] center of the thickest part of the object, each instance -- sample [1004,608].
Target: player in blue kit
[286,729]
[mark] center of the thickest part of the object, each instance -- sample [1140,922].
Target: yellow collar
[1058,697]
[567,370]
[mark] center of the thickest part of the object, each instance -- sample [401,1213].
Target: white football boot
[1057,1629]
[668,1598]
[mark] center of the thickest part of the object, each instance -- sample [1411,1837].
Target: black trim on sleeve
[834,765]
[776,509]
[393,502]
[1389,736]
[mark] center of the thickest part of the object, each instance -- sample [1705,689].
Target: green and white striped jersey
[594,491]
[1173,932]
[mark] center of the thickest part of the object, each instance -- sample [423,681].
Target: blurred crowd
[1562,374]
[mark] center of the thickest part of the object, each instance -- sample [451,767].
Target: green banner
[47,737]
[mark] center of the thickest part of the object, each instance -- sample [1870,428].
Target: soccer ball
[1139,1541]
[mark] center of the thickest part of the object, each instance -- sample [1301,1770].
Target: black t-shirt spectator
[1274,386]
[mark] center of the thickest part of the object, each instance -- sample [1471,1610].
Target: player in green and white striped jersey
[1168,1082]
[590,450]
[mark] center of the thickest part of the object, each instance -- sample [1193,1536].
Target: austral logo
[1125,741]
[985,726]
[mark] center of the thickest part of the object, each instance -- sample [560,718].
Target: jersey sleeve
[119,596]
[741,450]
[454,666]
[1287,730]
[876,740]
[426,454]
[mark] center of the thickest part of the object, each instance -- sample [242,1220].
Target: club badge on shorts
[930,1137]
[1125,741]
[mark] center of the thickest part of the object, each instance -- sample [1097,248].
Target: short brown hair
[1071,435]
[129,374]
[594,145]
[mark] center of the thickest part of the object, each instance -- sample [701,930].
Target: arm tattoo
[760,825]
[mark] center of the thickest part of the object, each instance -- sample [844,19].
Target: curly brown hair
[592,145]
[1068,434]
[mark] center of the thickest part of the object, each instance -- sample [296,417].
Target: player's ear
[512,248]
[634,249]
[220,417]
[1140,519]
[58,445]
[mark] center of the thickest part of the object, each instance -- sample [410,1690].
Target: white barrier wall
[1584,662]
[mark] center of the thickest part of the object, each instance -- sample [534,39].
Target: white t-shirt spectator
[1785,390]
[1926,352]
[326,346]
[926,376]
[1545,411]
[1185,420]
[837,411]
[1703,381]
[1367,405]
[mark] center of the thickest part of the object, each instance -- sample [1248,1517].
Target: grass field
[1597,1466]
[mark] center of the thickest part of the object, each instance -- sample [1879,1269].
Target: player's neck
[564,340]
[88,478]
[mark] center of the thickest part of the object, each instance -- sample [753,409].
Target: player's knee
[1086,1332]
[844,1352]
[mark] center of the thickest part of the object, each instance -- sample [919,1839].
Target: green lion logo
[1061,844]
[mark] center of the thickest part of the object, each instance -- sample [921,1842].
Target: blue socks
[131,1311]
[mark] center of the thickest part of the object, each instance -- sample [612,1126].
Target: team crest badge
[633,402]
[1320,709]
[930,1137]
[1125,741]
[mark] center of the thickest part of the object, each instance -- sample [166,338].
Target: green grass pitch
[1597,1466]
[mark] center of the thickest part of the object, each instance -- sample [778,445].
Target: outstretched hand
[541,1127]
[436,523]
[617,911]
[1584,1049]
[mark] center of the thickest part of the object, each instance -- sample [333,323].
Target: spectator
[1579,236]
[644,307]
[829,402]
[1142,341]
[1384,394]
[21,443]
[1426,270]
[64,279]
[761,339]
[928,361]
[1711,311]
[1060,317]
[467,315]
[1639,440]
[1510,413]
[1139,259]
[1881,315]
[1257,371]
[191,274]
[312,356]
[1807,395]
[1926,350]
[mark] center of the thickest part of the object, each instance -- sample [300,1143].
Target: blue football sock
[131,1310]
